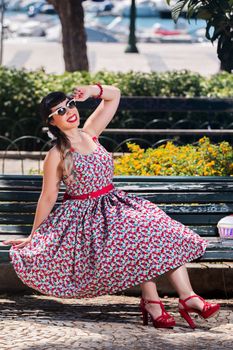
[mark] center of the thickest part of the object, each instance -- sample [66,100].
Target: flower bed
[202,159]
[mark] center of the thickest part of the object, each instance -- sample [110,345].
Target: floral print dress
[95,246]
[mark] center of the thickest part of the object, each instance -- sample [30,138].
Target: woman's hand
[82,93]
[18,243]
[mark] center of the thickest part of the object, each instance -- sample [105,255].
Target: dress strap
[94,138]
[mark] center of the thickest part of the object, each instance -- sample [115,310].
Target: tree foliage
[218,15]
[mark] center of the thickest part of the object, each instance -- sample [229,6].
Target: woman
[100,239]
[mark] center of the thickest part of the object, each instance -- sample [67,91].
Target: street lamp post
[131,47]
[2,8]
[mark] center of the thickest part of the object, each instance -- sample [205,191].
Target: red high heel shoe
[163,321]
[208,310]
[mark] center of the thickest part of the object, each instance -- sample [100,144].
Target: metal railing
[164,119]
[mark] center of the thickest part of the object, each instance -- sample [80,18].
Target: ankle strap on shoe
[146,301]
[183,301]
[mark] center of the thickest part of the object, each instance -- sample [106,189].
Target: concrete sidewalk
[34,322]
[36,53]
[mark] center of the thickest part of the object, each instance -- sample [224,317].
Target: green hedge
[20,90]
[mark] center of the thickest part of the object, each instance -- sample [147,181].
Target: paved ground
[34,322]
[22,167]
[31,54]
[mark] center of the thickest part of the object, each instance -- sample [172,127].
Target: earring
[51,136]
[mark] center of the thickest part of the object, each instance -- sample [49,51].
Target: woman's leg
[179,278]
[149,292]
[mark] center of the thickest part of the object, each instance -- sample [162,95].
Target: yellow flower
[177,160]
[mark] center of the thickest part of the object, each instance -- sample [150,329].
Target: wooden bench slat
[159,198]
[4,256]
[16,218]
[187,197]
[20,207]
[205,231]
[171,179]
[209,255]
[165,197]
[28,180]
[223,208]
[199,219]
[177,187]
[15,229]
[17,182]
[21,196]
[213,245]
[204,208]
[217,256]
[4,237]
[148,186]
[187,219]
[141,187]
[4,247]
[4,178]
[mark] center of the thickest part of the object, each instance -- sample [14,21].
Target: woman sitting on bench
[101,240]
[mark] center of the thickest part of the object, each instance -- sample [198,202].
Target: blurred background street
[29,53]
[32,30]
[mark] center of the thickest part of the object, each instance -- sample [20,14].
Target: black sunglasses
[62,110]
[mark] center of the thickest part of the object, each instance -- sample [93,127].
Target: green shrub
[21,90]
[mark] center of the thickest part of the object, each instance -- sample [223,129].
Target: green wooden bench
[198,202]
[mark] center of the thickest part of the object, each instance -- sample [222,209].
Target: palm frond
[178,8]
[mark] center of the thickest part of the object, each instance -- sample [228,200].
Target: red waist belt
[97,193]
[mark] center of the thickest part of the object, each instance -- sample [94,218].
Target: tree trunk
[71,15]
[225,52]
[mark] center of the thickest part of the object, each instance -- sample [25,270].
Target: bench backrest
[198,202]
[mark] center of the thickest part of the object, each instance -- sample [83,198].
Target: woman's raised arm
[105,111]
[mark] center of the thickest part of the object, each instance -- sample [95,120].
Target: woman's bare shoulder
[52,172]
[53,163]
[53,154]
[54,151]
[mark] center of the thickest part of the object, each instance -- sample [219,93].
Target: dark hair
[61,140]
[46,104]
